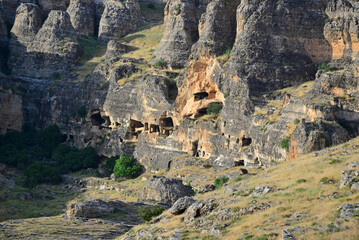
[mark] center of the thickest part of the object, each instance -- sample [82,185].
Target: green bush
[110,163]
[38,173]
[127,167]
[161,63]
[285,143]
[296,121]
[214,108]
[148,213]
[326,67]
[218,182]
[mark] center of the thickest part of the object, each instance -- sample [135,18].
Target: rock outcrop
[11,111]
[181,205]
[165,190]
[48,5]
[82,16]
[181,32]
[27,23]
[119,18]
[91,209]
[54,50]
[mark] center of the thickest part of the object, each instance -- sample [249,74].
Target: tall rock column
[119,18]
[82,16]
[181,32]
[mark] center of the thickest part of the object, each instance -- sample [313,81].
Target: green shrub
[110,163]
[161,63]
[218,182]
[285,143]
[326,67]
[148,213]
[296,121]
[38,173]
[126,167]
[214,108]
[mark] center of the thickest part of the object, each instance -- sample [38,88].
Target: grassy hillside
[304,196]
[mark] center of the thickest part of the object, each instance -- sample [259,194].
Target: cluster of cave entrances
[164,127]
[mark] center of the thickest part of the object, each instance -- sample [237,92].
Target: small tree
[126,167]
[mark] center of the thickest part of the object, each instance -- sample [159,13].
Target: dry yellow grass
[297,190]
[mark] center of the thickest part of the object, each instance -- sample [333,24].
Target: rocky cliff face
[257,59]
[54,48]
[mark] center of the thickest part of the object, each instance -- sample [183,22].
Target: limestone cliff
[283,74]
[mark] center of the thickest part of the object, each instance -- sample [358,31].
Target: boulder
[181,205]
[348,211]
[222,163]
[114,50]
[82,16]
[261,190]
[207,188]
[165,190]
[119,18]
[349,178]
[89,209]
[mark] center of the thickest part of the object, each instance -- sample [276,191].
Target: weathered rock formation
[181,32]
[165,190]
[119,18]
[54,49]
[11,112]
[49,5]
[82,16]
[27,23]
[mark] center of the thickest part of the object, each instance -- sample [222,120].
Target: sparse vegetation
[214,108]
[147,213]
[285,143]
[218,182]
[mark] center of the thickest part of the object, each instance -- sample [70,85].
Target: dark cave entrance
[201,112]
[96,119]
[200,96]
[166,126]
[246,141]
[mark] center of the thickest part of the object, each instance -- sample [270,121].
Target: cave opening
[136,128]
[239,163]
[201,112]
[195,148]
[154,128]
[107,120]
[200,96]
[246,141]
[166,125]
[96,119]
